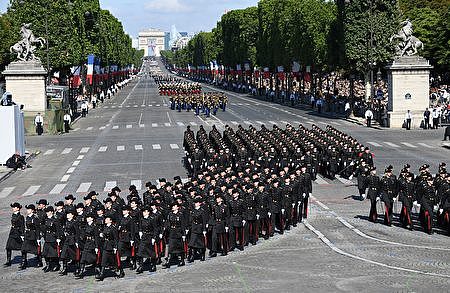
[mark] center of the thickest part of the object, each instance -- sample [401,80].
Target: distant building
[167,41]
[152,41]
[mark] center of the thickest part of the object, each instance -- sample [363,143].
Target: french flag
[90,69]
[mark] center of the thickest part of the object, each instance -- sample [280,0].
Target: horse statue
[26,48]
[408,44]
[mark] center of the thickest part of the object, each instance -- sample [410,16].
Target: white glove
[269,214]
[22,237]
[76,244]
[226,229]
[257,217]
[435,207]
[415,202]
[204,233]
[140,234]
[101,234]
[153,241]
[183,237]
[115,250]
[282,211]
[378,198]
[351,177]
[243,222]
[187,231]
[96,250]
[58,241]
[132,242]
[304,195]
[352,163]
[310,194]
[395,199]
[207,226]
[38,242]
[160,236]
[441,211]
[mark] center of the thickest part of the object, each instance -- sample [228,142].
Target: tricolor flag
[90,68]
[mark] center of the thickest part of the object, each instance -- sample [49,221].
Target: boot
[48,266]
[166,265]
[153,265]
[101,275]
[56,266]
[140,267]
[181,263]
[8,258]
[63,270]
[121,274]
[23,264]
[190,258]
[133,265]
[77,271]
[39,259]
[81,272]
[202,257]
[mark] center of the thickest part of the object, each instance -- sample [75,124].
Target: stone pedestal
[26,82]
[408,88]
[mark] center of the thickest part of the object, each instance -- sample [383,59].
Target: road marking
[167,124]
[344,181]
[157,105]
[174,146]
[142,105]
[57,189]
[137,183]
[105,107]
[138,147]
[135,106]
[89,128]
[49,152]
[102,149]
[110,185]
[115,127]
[284,122]
[180,123]
[127,106]
[247,122]
[84,187]
[70,170]
[120,148]
[273,122]
[129,126]
[154,124]
[193,123]
[76,163]
[319,180]
[425,145]
[66,151]
[84,150]
[31,190]
[113,107]
[259,122]
[76,129]
[168,117]
[234,122]
[391,144]
[156,147]
[80,157]
[65,178]
[102,128]
[408,145]
[6,191]
[141,125]
[374,143]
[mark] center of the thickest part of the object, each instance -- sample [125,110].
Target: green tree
[6,40]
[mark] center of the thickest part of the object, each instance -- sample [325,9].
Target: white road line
[138,147]
[137,183]
[102,149]
[65,178]
[57,189]
[324,123]
[154,124]
[66,151]
[174,146]
[234,122]
[135,106]
[141,125]
[6,191]
[84,150]
[319,180]
[80,157]
[180,123]
[391,144]
[120,148]
[129,126]
[284,122]
[127,106]
[113,107]
[89,128]
[102,128]
[193,123]
[49,152]
[76,129]
[322,205]
[168,116]
[84,187]
[167,124]
[157,105]
[273,122]
[344,181]
[259,122]
[408,145]
[374,143]
[31,190]
[156,146]
[115,127]
[425,145]
[71,170]
[247,122]
[76,163]
[110,185]
[105,107]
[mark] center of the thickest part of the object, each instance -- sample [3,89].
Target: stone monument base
[408,88]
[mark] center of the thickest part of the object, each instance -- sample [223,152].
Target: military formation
[188,96]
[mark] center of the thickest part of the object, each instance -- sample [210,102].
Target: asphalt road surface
[135,137]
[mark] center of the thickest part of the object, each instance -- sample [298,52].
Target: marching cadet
[148,233]
[373,193]
[251,217]
[444,208]
[197,240]
[60,213]
[288,203]
[69,201]
[70,248]
[31,242]
[110,255]
[277,212]
[238,218]
[388,186]
[361,172]
[305,185]
[52,241]
[263,211]
[407,197]
[175,229]
[427,202]
[220,215]
[89,235]
[16,236]
[126,230]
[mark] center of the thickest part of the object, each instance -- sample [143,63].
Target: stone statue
[409,44]
[26,47]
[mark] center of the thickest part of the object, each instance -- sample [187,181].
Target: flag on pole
[90,68]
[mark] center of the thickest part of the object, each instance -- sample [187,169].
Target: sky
[187,15]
